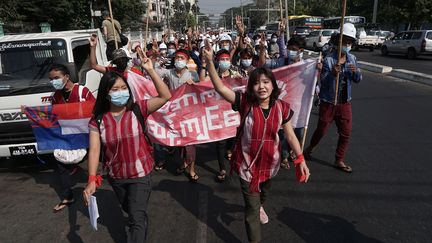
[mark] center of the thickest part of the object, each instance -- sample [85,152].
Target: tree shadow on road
[194,196]
[315,227]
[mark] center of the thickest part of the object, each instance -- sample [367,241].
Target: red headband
[224,55]
[183,54]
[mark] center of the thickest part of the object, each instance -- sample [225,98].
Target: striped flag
[63,126]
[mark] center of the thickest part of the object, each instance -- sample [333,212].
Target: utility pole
[241,7]
[232,19]
[375,8]
[268,11]
[287,30]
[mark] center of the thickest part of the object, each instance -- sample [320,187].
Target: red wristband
[300,158]
[95,178]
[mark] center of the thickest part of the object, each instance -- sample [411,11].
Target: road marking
[201,235]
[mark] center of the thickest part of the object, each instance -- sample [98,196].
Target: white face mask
[180,64]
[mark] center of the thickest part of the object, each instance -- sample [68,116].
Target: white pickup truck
[366,41]
[24,63]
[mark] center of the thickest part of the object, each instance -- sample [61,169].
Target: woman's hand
[208,52]
[88,191]
[146,62]
[304,170]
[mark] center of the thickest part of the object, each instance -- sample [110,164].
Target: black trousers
[64,172]
[133,196]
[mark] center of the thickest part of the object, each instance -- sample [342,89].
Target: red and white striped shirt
[126,151]
[256,156]
[78,93]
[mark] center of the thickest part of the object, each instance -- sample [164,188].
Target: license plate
[22,150]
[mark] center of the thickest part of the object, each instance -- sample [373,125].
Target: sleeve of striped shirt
[143,106]
[93,127]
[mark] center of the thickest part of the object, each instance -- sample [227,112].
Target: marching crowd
[265,138]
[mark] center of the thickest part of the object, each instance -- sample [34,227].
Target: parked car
[411,43]
[318,38]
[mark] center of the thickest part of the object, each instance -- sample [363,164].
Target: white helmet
[349,30]
[162,46]
[225,37]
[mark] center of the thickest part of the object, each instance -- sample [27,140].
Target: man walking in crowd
[340,112]
[66,92]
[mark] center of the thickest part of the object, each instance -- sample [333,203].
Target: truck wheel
[384,51]
[411,54]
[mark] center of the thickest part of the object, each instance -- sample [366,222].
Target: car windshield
[24,65]
[327,32]
[303,29]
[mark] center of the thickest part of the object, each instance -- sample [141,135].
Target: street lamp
[197,18]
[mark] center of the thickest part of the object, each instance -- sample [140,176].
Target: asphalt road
[388,197]
[422,64]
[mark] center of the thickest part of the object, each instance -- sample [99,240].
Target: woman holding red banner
[256,155]
[118,127]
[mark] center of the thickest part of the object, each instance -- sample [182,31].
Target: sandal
[222,175]
[228,155]
[344,168]
[62,205]
[193,178]
[285,164]
[182,168]
[159,166]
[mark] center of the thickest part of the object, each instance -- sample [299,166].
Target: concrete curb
[374,67]
[412,76]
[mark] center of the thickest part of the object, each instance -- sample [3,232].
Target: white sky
[219,6]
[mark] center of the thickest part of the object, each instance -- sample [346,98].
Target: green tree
[182,17]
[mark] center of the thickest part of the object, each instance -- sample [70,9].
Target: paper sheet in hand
[93,212]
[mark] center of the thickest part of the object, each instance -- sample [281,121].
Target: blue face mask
[171,51]
[119,98]
[346,49]
[224,65]
[292,54]
[225,48]
[246,62]
[58,84]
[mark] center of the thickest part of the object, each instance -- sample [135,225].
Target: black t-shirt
[237,104]
[66,94]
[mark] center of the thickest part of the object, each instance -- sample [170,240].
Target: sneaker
[263,216]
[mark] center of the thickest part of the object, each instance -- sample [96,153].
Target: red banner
[198,114]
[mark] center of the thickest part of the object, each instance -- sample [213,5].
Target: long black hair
[107,81]
[254,77]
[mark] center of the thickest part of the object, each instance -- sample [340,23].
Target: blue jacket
[328,80]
